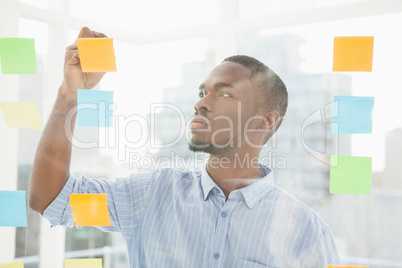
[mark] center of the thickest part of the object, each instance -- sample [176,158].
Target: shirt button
[217,191]
[224,213]
[216,255]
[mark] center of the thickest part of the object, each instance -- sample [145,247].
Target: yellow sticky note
[347,266]
[83,263]
[21,115]
[90,209]
[353,54]
[15,264]
[96,54]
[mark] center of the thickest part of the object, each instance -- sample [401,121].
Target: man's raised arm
[52,160]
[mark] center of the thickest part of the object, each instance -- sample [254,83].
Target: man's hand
[74,78]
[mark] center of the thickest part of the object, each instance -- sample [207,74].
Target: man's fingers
[74,60]
[72,57]
[72,47]
[98,34]
[85,33]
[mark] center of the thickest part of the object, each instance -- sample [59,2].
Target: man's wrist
[67,93]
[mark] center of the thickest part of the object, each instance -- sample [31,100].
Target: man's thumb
[85,33]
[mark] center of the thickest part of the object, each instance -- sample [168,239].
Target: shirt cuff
[59,211]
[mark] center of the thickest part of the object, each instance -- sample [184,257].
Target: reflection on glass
[302,56]
[147,16]
[36,3]
[258,8]
[37,30]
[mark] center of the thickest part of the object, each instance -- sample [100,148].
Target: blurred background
[164,51]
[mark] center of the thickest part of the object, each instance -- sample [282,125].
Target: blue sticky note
[95,108]
[352,115]
[13,209]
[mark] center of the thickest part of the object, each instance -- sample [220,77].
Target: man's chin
[197,147]
[208,148]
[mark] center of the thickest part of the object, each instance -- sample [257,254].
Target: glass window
[38,30]
[32,88]
[36,3]
[258,8]
[302,56]
[147,16]
[147,75]
[155,88]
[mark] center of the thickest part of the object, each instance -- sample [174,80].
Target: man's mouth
[199,122]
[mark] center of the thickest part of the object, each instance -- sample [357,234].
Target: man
[228,215]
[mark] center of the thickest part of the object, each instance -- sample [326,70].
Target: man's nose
[203,104]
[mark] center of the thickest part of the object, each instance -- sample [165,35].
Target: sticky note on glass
[21,115]
[14,264]
[17,56]
[95,108]
[350,175]
[13,210]
[352,115]
[96,54]
[90,209]
[345,266]
[353,54]
[83,263]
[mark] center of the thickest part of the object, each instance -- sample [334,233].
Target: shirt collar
[254,192]
[251,193]
[207,183]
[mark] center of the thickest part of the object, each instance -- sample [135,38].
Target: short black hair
[271,90]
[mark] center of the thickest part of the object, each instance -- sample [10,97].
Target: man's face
[227,101]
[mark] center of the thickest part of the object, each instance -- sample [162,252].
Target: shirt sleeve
[324,252]
[126,199]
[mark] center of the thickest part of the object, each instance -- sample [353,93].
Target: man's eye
[224,94]
[201,94]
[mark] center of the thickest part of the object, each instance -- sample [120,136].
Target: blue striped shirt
[172,218]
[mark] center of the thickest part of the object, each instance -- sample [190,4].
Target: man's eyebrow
[217,85]
[222,84]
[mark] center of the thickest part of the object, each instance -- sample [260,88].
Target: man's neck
[233,171]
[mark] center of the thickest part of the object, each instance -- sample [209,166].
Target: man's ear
[271,120]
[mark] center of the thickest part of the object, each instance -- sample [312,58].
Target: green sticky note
[17,56]
[350,175]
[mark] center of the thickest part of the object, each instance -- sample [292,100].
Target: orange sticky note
[347,266]
[96,54]
[353,54]
[90,209]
